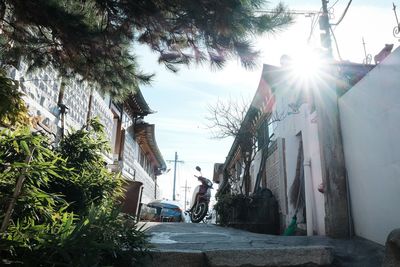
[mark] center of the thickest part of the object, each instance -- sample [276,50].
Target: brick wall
[272,170]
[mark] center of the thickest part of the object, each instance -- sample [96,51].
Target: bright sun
[306,64]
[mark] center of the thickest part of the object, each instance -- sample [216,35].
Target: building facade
[290,162]
[59,107]
[370,115]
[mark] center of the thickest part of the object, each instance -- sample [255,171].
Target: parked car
[162,211]
[148,214]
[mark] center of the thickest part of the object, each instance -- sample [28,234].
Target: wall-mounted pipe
[308,186]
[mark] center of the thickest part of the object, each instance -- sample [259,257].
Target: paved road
[187,244]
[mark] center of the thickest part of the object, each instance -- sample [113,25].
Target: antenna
[367,57]
[396,29]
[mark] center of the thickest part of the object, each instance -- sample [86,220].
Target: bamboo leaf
[16,146]
[25,147]
[52,172]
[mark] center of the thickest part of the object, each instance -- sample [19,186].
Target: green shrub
[231,207]
[67,213]
[90,181]
[223,208]
[12,108]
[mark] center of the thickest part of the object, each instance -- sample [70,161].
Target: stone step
[268,257]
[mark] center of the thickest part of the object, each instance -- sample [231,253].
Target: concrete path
[187,244]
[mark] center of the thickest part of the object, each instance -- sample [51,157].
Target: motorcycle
[200,199]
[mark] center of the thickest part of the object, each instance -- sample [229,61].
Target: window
[271,129]
[266,133]
[262,135]
[117,137]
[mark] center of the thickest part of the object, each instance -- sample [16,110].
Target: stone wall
[149,185]
[133,170]
[41,89]
[129,155]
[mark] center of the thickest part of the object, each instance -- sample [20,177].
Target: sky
[181,100]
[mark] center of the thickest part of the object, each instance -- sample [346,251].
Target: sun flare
[306,64]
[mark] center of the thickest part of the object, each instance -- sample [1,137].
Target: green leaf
[25,147]
[54,173]
[16,146]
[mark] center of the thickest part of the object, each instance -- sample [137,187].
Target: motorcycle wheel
[199,212]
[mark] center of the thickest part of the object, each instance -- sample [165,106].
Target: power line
[313,24]
[291,12]
[343,15]
[336,43]
[201,162]
[333,4]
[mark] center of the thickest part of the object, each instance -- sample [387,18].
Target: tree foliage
[94,38]
[225,118]
[12,108]
[249,126]
[67,212]
[91,181]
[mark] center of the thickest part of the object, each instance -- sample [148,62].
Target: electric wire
[333,4]
[291,12]
[313,24]
[343,15]
[336,43]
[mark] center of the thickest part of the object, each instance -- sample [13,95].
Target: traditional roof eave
[350,74]
[257,106]
[136,105]
[218,171]
[273,77]
[145,136]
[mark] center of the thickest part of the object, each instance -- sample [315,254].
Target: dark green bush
[67,213]
[89,181]
[12,108]
[223,208]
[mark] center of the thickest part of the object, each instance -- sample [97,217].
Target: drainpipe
[309,196]
[63,108]
[89,110]
[308,181]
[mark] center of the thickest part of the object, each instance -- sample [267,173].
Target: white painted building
[290,105]
[369,118]
[370,122]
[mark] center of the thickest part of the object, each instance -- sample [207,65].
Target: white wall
[370,121]
[312,151]
[305,123]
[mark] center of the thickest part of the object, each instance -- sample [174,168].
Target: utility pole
[325,28]
[175,162]
[186,189]
[337,217]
